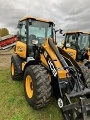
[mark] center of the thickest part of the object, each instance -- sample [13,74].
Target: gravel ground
[5,58]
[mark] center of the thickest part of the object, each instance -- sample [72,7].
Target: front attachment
[76,109]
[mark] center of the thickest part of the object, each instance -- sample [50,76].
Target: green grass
[13,105]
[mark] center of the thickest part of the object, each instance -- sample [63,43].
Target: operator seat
[32,37]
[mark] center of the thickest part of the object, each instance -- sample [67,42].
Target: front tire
[37,86]
[14,72]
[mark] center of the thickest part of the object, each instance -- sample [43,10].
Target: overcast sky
[66,14]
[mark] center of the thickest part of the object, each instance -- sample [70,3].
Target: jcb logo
[20,49]
[52,67]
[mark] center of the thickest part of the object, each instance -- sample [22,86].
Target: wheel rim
[12,69]
[29,86]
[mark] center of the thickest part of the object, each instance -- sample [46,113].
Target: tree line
[4,32]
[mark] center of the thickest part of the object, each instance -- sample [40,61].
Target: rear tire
[14,72]
[37,86]
[86,74]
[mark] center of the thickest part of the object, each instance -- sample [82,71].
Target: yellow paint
[20,49]
[42,58]
[23,65]
[73,32]
[29,86]
[71,52]
[61,71]
[88,53]
[12,69]
[29,17]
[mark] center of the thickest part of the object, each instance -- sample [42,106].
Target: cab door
[21,47]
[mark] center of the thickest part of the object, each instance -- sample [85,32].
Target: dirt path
[5,58]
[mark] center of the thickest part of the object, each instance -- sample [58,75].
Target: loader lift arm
[78,82]
[77,86]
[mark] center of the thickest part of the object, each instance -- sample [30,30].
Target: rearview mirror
[19,25]
[60,31]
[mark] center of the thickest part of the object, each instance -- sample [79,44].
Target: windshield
[83,41]
[39,30]
[71,39]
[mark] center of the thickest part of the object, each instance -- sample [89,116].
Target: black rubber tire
[41,86]
[16,76]
[86,73]
[86,63]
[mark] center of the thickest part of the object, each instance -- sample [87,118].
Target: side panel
[64,53]
[20,49]
[71,52]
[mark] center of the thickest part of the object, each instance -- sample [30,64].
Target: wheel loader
[77,44]
[46,67]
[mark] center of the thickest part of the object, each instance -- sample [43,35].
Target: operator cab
[33,32]
[71,39]
[80,42]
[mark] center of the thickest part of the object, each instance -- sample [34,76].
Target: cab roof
[87,33]
[29,17]
[72,32]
